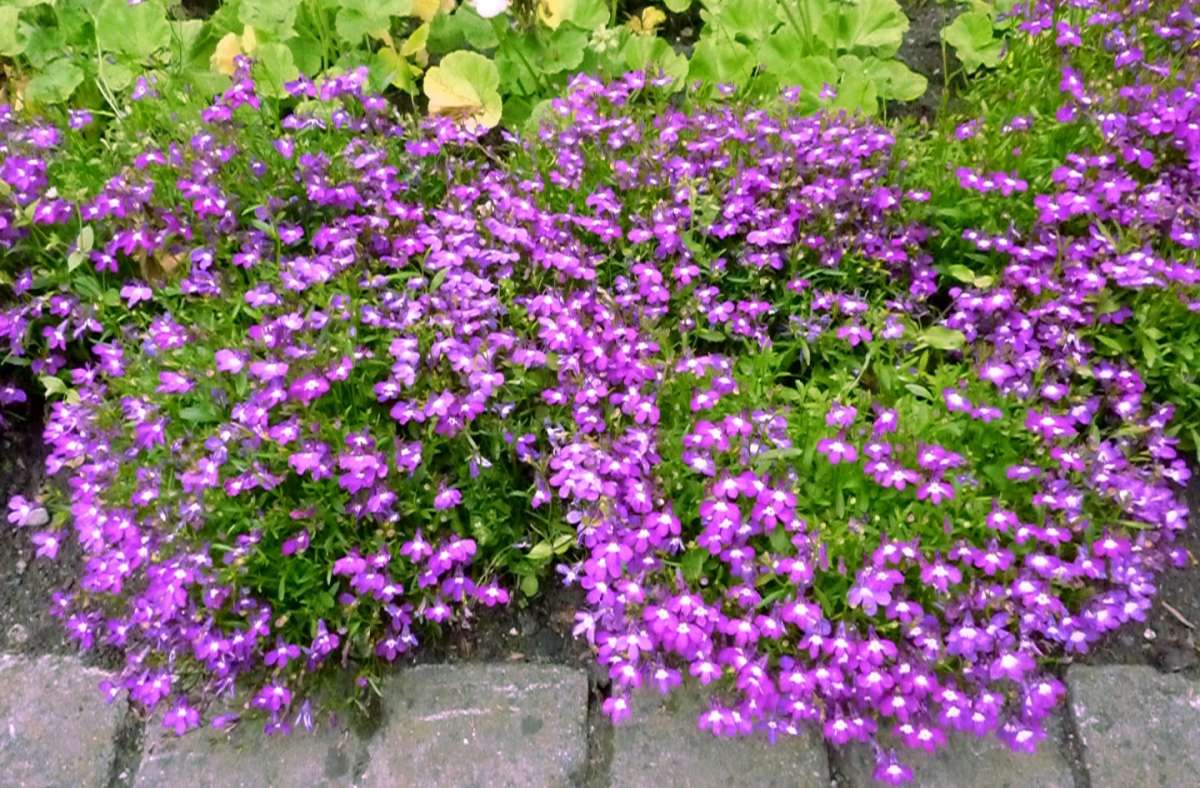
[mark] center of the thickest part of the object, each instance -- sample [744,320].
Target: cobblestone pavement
[532,725]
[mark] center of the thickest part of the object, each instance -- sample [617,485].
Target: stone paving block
[661,745]
[1139,727]
[247,758]
[968,760]
[55,728]
[481,725]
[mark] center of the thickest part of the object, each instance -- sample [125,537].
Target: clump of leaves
[841,54]
[977,35]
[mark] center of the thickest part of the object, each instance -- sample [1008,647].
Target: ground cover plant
[857,430]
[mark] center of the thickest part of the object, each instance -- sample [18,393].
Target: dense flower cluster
[319,386]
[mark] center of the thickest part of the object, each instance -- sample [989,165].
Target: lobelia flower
[447,498]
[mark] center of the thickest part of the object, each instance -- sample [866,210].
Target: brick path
[531,725]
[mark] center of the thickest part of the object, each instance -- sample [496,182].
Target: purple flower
[23,513]
[181,718]
[837,450]
[173,383]
[447,498]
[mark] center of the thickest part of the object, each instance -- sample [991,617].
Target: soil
[921,50]
[540,631]
[1168,639]
[26,582]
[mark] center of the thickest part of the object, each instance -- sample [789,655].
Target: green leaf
[751,19]
[55,84]
[811,72]
[876,25]
[203,413]
[943,338]
[306,53]
[541,551]
[12,37]
[464,28]
[971,36]
[856,91]
[918,390]
[964,274]
[588,14]
[652,54]
[134,30]
[273,68]
[45,43]
[52,384]
[389,67]
[529,585]
[677,6]
[191,41]
[561,51]
[117,76]
[895,81]
[726,62]
[692,564]
[357,18]
[276,17]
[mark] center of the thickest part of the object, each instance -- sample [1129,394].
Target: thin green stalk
[802,29]
[945,81]
[537,77]
[101,80]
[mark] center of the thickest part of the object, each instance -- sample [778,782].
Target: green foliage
[841,54]
[971,35]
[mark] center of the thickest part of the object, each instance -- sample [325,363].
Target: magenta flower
[181,718]
[837,450]
[447,498]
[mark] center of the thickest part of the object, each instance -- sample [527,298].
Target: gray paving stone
[247,758]
[55,728]
[476,725]
[968,760]
[1139,727]
[661,745]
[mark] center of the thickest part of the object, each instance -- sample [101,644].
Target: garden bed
[873,428]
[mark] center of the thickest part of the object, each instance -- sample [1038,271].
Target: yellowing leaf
[249,40]
[426,10]
[228,48]
[647,22]
[464,86]
[415,43]
[553,12]
[399,71]
[383,35]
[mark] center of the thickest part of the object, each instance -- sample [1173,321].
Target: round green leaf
[276,17]
[561,51]
[12,38]
[971,36]
[872,24]
[751,19]
[134,30]
[651,54]
[273,68]
[894,80]
[724,62]
[357,18]
[55,83]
